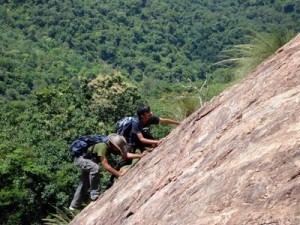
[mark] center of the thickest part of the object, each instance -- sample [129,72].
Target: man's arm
[109,168]
[146,140]
[133,155]
[168,121]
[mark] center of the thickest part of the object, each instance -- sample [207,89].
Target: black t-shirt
[137,127]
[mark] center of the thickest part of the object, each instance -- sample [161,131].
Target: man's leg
[94,178]
[81,191]
[92,169]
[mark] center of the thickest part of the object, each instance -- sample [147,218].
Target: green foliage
[113,97]
[36,170]
[59,79]
[169,40]
[178,101]
[175,101]
[245,57]
[22,183]
[186,105]
[61,217]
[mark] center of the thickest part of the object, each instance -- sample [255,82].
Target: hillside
[173,40]
[235,161]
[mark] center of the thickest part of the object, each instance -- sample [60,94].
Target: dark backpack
[124,125]
[80,146]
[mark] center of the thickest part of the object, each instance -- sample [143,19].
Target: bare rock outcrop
[235,161]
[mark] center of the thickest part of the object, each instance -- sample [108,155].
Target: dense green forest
[74,67]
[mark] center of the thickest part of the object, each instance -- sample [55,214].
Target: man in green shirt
[116,146]
[112,145]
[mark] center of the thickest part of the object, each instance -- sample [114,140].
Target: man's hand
[160,141]
[122,172]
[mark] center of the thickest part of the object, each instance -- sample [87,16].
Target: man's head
[118,144]
[144,113]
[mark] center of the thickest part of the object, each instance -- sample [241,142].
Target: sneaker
[94,197]
[71,208]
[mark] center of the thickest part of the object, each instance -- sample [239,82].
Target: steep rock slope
[235,161]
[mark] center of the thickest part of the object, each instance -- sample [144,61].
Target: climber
[137,130]
[87,152]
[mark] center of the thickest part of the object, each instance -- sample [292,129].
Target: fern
[62,217]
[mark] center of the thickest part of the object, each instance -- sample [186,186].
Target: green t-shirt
[100,149]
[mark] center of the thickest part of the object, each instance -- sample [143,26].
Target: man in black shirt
[137,134]
[138,137]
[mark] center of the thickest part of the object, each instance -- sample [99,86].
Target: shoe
[94,197]
[71,208]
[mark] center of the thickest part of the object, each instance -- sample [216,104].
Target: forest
[75,67]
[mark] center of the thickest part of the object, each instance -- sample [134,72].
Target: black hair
[142,110]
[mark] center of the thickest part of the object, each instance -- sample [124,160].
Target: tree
[113,97]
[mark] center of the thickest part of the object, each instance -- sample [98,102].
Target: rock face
[235,161]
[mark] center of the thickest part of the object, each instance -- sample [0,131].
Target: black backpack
[124,125]
[80,146]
